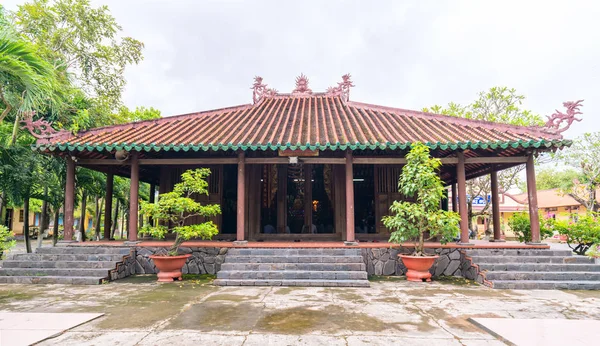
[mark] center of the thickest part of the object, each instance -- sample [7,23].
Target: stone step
[76,250]
[59,264]
[531,259]
[294,266]
[304,283]
[292,275]
[517,252]
[551,276]
[540,267]
[292,259]
[65,280]
[294,252]
[546,285]
[67,257]
[102,272]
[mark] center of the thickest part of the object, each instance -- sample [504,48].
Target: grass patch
[385,278]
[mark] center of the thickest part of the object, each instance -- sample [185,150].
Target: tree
[498,104]
[584,155]
[176,207]
[413,221]
[551,178]
[83,42]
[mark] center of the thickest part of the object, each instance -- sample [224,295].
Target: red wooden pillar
[241,197]
[454,200]
[152,200]
[462,198]
[108,205]
[134,196]
[69,200]
[349,199]
[495,207]
[534,217]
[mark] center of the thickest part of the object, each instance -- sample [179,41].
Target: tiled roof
[552,198]
[315,121]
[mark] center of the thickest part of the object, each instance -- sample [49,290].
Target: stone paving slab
[19,328]
[547,332]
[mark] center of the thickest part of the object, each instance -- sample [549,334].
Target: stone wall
[452,262]
[203,260]
[124,268]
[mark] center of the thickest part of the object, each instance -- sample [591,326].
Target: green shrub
[412,221]
[520,225]
[7,240]
[581,234]
[175,207]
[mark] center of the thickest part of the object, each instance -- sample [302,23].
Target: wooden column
[69,200]
[308,197]
[454,200]
[282,176]
[108,204]
[495,207]
[134,196]
[349,199]
[462,198]
[241,197]
[534,217]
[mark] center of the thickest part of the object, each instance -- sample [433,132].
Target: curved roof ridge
[457,120]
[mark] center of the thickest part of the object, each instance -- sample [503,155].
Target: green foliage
[581,233]
[175,207]
[7,241]
[549,178]
[584,155]
[594,251]
[521,226]
[411,221]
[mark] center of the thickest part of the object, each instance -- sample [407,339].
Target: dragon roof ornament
[343,88]
[556,120]
[260,90]
[42,129]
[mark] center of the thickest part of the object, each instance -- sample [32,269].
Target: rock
[389,267]
[441,265]
[379,268]
[144,251]
[452,267]
[185,269]
[370,268]
[223,251]
[193,268]
[384,257]
[184,250]
[454,255]
[210,269]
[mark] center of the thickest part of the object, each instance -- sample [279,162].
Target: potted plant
[7,240]
[422,219]
[170,214]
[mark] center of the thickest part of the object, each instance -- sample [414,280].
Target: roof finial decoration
[260,90]
[343,88]
[556,120]
[302,86]
[42,129]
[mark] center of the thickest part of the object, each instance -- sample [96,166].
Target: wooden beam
[69,200]
[108,205]
[495,206]
[241,198]
[498,159]
[323,160]
[349,198]
[195,161]
[534,218]
[134,187]
[462,198]
[267,160]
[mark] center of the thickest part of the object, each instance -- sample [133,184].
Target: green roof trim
[542,143]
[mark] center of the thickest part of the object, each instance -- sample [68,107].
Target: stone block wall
[452,262]
[124,268]
[203,260]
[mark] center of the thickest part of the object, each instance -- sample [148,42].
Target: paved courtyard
[138,311]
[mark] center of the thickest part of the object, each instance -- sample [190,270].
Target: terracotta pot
[418,267]
[169,267]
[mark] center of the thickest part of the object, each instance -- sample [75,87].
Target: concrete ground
[139,311]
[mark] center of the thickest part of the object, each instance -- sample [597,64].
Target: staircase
[293,267]
[537,269]
[82,265]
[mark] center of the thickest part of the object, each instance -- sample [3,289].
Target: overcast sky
[201,55]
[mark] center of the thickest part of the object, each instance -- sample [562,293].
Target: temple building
[302,165]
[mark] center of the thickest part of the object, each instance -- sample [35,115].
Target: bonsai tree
[7,240]
[423,219]
[582,233]
[174,208]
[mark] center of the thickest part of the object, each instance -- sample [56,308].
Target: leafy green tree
[82,41]
[584,155]
[410,221]
[521,227]
[498,104]
[551,178]
[174,208]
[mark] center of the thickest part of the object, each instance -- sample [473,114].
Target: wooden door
[386,192]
